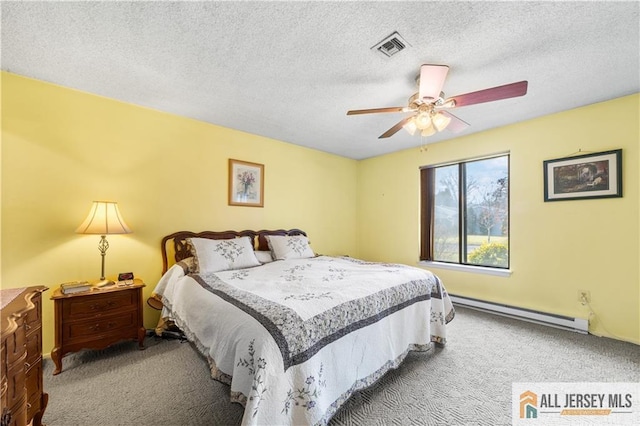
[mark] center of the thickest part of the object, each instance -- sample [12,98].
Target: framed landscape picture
[597,175]
[246,184]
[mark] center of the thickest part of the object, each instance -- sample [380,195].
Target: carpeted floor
[466,383]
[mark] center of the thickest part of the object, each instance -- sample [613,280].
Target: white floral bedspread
[296,338]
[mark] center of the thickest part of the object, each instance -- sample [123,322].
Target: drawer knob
[109,304]
[97,326]
[27,365]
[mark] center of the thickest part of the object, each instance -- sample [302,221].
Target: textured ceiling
[291,70]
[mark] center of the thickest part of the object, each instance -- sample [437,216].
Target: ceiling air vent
[391,45]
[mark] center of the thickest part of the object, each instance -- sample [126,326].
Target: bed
[293,333]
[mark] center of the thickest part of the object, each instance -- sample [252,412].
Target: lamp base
[103,283]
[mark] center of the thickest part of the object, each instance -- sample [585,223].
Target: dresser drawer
[4,386]
[33,318]
[99,304]
[16,377]
[18,415]
[97,328]
[34,347]
[15,343]
[3,359]
[34,386]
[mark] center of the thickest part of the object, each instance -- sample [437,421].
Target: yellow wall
[62,149]
[558,247]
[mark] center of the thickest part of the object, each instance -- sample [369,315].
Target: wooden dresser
[22,398]
[96,319]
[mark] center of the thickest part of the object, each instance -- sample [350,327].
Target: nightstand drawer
[97,327]
[100,304]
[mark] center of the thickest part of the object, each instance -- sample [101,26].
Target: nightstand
[96,319]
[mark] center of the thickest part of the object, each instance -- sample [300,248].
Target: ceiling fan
[429,106]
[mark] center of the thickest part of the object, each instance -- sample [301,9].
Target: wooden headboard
[180,250]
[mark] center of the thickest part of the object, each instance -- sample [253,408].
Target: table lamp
[104,219]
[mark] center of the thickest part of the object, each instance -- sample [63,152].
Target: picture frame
[588,176]
[246,183]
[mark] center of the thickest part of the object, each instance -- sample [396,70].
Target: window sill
[466,268]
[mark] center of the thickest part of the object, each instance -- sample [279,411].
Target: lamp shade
[104,219]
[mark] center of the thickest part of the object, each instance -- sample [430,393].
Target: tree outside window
[465,212]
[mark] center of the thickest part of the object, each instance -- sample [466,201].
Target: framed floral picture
[246,183]
[596,175]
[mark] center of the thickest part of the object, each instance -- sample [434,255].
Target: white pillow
[264,256]
[289,247]
[221,255]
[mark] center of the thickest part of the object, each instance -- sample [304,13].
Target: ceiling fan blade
[392,131]
[431,80]
[376,110]
[456,125]
[511,90]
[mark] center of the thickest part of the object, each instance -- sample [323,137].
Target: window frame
[427,218]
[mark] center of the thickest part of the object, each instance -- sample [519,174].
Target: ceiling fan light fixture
[410,126]
[440,121]
[430,108]
[428,131]
[423,120]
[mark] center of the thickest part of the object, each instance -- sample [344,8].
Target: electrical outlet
[584,296]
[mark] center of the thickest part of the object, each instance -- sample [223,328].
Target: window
[465,212]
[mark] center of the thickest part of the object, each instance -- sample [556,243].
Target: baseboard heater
[579,325]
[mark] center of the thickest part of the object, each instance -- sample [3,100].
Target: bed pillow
[289,247]
[221,255]
[264,256]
